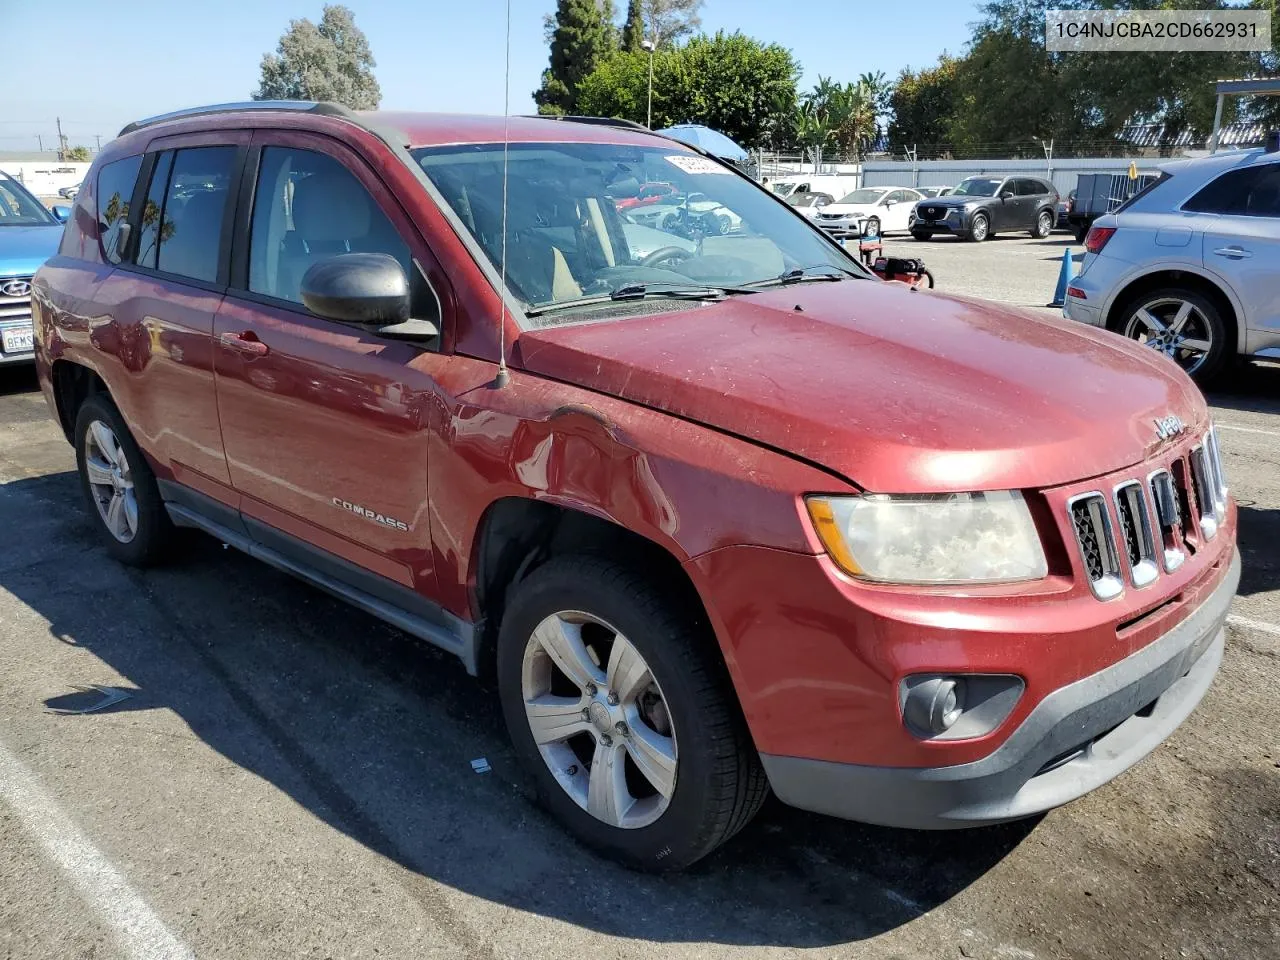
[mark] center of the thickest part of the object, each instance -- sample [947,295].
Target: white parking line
[1231,426]
[140,932]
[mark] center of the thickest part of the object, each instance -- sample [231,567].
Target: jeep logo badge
[1168,427]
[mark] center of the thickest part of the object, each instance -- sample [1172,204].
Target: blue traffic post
[1064,278]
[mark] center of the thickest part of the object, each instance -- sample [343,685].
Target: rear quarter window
[115,190]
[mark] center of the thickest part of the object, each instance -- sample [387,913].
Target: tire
[1203,324]
[1044,225]
[922,235]
[142,533]
[717,783]
[1080,231]
[979,228]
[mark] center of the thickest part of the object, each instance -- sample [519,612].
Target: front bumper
[1075,740]
[958,224]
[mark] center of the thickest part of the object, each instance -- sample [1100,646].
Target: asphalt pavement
[287,777]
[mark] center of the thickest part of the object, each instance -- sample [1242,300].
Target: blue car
[29,235]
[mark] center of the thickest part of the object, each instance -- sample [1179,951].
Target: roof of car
[426,129]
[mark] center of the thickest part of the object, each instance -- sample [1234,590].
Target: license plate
[19,341]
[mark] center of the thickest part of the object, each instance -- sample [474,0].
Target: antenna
[503,376]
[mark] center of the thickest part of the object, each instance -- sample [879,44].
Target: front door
[325,423]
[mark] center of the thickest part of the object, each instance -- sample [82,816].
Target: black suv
[982,206]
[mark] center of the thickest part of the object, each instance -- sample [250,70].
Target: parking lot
[288,777]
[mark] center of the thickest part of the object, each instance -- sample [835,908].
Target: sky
[110,63]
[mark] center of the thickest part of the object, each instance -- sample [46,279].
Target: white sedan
[887,209]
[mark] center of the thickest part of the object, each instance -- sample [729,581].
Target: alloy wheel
[599,719]
[111,481]
[1044,225]
[1175,327]
[978,230]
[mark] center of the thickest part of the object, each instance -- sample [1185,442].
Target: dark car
[980,207]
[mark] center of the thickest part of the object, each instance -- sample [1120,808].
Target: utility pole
[62,141]
[98,137]
[40,141]
[651,47]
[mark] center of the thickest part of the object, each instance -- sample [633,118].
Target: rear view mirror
[357,288]
[63,213]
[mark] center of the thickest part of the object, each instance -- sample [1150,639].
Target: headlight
[943,538]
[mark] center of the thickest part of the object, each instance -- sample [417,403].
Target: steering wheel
[663,254]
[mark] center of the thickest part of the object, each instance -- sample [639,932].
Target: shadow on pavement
[1249,386]
[17,378]
[373,732]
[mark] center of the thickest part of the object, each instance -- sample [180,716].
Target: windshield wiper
[822,271]
[642,291]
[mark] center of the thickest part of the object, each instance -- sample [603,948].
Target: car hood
[896,390]
[950,201]
[24,249]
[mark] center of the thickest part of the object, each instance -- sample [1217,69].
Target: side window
[307,208]
[183,214]
[153,211]
[199,185]
[1252,192]
[115,190]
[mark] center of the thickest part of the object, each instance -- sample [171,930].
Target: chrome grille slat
[1206,499]
[1168,519]
[1097,543]
[1135,525]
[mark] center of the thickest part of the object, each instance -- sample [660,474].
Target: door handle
[1233,253]
[245,342]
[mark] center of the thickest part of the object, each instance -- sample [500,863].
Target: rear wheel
[1044,225]
[1182,324]
[619,707]
[979,228]
[119,485]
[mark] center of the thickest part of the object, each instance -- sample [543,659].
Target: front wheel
[979,228]
[922,235]
[1183,325]
[1044,225]
[619,706]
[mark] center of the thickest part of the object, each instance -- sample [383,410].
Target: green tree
[79,154]
[331,61]
[633,28]
[582,34]
[922,104]
[742,87]
[667,22]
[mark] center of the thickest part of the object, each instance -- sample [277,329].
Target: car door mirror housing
[357,288]
[1006,193]
[62,212]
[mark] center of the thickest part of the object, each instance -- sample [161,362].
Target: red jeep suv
[724,516]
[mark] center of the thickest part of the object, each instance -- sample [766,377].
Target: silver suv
[1191,265]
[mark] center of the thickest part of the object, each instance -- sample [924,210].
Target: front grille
[932,213]
[15,307]
[1146,527]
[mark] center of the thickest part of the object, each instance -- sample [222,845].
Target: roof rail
[296,106]
[597,121]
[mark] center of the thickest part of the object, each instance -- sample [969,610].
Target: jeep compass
[721,515]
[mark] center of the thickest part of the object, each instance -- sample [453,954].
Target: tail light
[1097,238]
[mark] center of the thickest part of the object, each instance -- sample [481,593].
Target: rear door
[168,285]
[1242,244]
[326,423]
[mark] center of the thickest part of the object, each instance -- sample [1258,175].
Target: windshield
[977,187]
[574,232]
[862,196]
[18,208]
[783,189]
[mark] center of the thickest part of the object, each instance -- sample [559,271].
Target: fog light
[935,705]
[942,707]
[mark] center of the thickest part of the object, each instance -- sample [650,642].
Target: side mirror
[1006,194]
[62,213]
[357,288]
